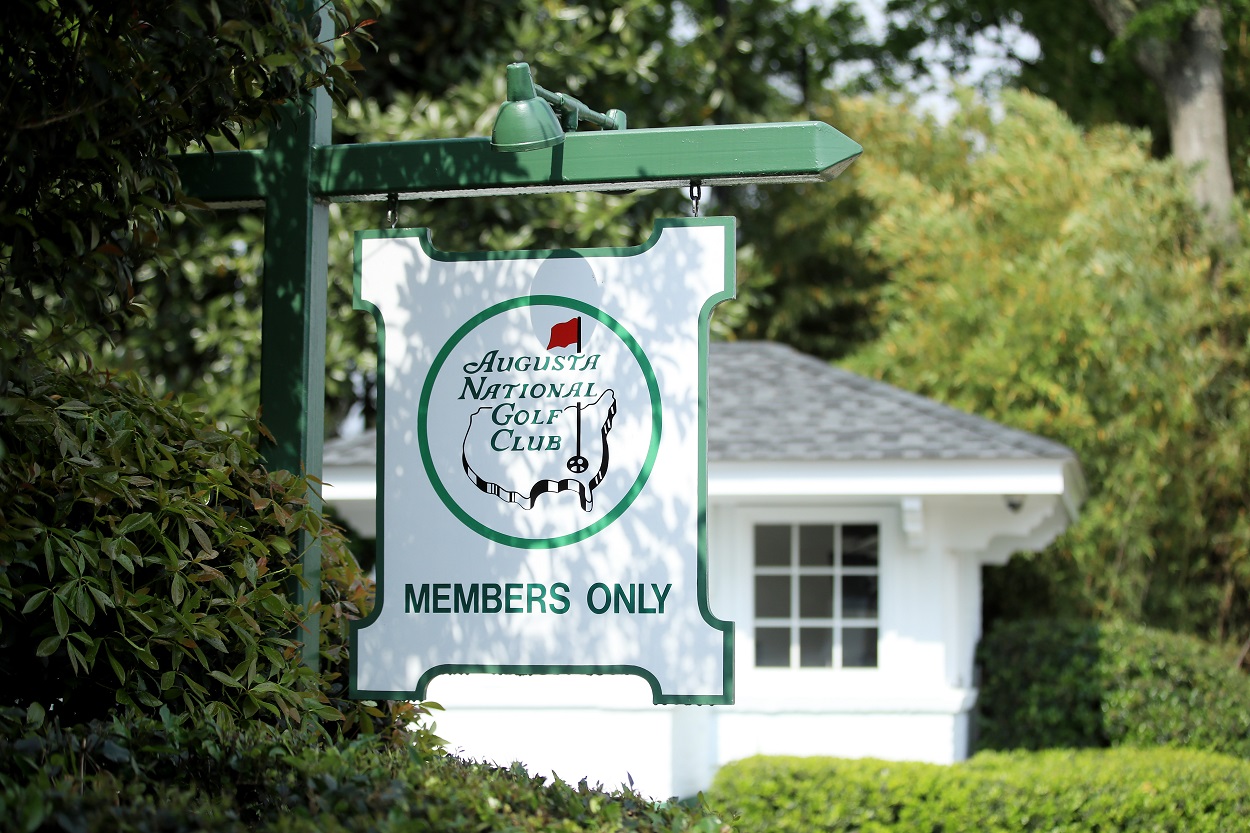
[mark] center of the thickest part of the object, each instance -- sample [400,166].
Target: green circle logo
[539,421]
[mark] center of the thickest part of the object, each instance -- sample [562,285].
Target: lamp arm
[575,111]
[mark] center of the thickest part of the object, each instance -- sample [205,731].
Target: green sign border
[653,388]
[658,697]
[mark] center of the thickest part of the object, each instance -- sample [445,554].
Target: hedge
[1059,791]
[175,775]
[147,562]
[1050,684]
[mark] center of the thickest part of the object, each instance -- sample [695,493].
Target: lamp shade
[525,125]
[525,121]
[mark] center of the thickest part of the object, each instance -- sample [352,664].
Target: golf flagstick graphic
[560,337]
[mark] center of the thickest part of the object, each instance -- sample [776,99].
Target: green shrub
[1041,686]
[176,775]
[146,560]
[1123,790]
[1049,684]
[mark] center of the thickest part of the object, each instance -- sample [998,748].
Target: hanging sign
[542,462]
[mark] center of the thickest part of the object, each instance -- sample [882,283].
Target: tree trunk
[1188,69]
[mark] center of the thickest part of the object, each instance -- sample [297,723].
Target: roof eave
[1059,477]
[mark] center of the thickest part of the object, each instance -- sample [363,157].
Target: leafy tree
[1176,66]
[147,564]
[94,96]
[1053,280]
[1179,46]
[430,46]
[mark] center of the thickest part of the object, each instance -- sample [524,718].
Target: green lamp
[527,120]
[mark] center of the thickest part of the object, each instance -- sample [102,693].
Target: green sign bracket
[302,171]
[606,160]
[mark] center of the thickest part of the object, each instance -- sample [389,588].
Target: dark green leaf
[60,615]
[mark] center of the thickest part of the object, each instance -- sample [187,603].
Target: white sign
[542,462]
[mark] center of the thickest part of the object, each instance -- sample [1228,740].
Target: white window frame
[796,621]
[736,524]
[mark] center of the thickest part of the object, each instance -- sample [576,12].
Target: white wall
[932,737]
[603,729]
[911,707]
[915,706]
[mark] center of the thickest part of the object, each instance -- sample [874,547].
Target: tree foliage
[146,559]
[95,95]
[664,64]
[430,46]
[1079,63]
[1050,279]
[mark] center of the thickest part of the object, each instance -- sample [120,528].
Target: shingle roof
[769,402]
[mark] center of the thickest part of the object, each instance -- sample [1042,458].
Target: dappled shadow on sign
[470,581]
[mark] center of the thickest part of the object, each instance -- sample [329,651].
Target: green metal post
[293,322]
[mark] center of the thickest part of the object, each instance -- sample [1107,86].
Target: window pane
[859,545]
[859,647]
[859,597]
[816,647]
[816,597]
[772,647]
[772,546]
[772,596]
[816,546]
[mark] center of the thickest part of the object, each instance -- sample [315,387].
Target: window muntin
[816,602]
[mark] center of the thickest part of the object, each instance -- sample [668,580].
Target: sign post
[301,171]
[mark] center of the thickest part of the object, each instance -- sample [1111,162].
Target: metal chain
[392,209]
[696,194]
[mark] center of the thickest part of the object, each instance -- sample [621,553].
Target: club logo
[539,421]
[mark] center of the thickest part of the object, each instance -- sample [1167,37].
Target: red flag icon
[566,333]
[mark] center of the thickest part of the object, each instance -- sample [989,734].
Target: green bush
[182,775]
[147,562]
[1123,790]
[1049,684]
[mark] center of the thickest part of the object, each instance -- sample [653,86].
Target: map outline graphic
[424,405]
[547,485]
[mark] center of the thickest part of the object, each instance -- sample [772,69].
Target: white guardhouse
[848,522]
